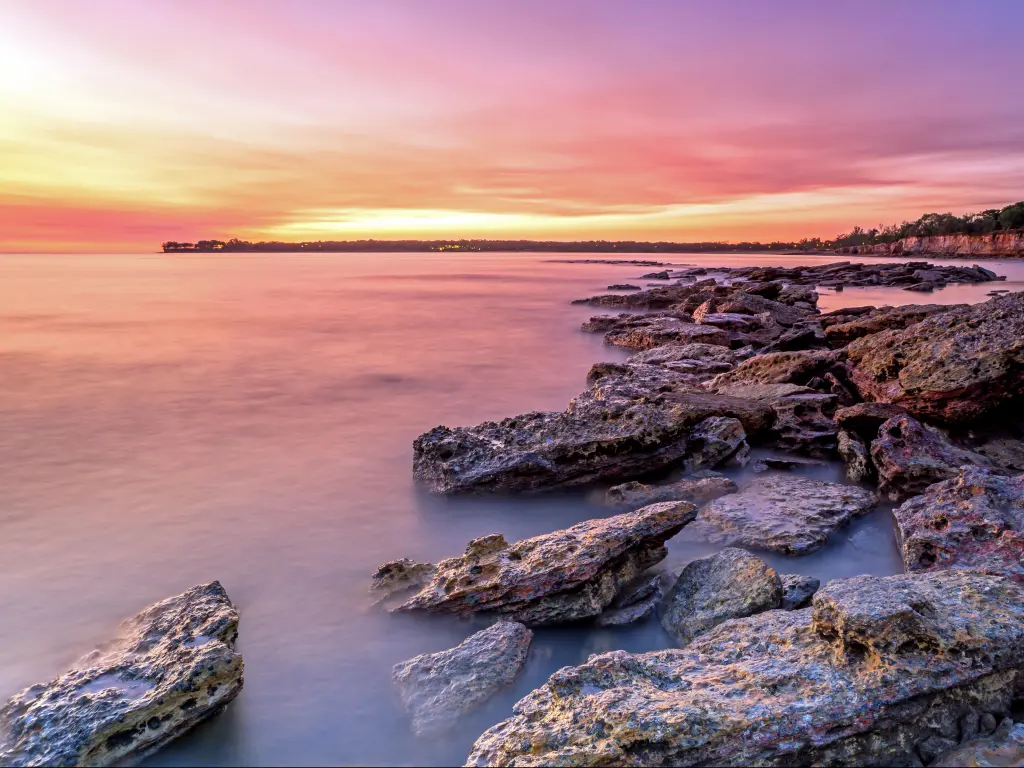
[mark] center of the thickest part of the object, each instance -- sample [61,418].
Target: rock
[557,577]
[629,614]
[875,668]
[981,349]
[438,688]
[696,491]
[172,666]
[623,287]
[765,392]
[785,462]
[777,368]
[661,297]
[973,520]
[857,457]
[744,303]
[714,440]
[864,419]
[731,322]
[674,353]
[727,585]
[797,591]
[909,457]
[638,590]
[663,275]
[805,423]
[659,330]
[924,287]
[617,429]
[784,513]
[1006,453]
[397,579]
[1003,748]
[886,318]
[796,339]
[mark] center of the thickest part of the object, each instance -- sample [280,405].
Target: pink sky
[127,123]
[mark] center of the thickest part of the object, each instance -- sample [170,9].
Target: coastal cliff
[994,244]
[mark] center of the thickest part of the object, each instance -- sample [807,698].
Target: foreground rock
[909,457]
[730,584]
[884,319]
[438,688]
[956,367]
[557,577]
[973,520]
[1003,748]
[797,591]
[784,513]
[697,491]
[876,668]
[172,666]
[618,429]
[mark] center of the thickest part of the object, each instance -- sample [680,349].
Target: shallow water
[165,421]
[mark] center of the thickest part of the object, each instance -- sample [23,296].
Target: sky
[124,123]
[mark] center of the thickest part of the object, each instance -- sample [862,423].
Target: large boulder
[909,457]
[777,368]
[438,688]
[805,423]
[874,669]
[618,429]
[955,367]
[887,318]
[973,520]
[556,577]
[172,666]
[784,513]
[730,584]
[696,490]
[864,419]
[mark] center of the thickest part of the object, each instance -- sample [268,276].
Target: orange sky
[127,123]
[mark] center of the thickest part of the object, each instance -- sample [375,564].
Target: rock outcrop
[856,454]
[563,576]
[784,513]
[955,367]
[172,666]
[864,419]
[438,688]
[1004,748]
[646,332]
[730,584]
[697,491]
[973,520]
[865,677]
[884,319]
[797,591]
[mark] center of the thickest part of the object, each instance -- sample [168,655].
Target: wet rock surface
[870,673]
[973,520]
[727,585]
[784,513]
[172,666]
[884,319]
[797,591]
[697,491]
[563,576]
[438,688]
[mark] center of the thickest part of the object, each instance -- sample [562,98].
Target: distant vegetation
[1010,218]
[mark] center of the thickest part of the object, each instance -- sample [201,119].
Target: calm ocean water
[168,420]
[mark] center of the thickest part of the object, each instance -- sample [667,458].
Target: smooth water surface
[169,420]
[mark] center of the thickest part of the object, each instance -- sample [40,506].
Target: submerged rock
[563,576]
[730,584]
[909,457]
[797,591]
[438,688]
[172,666]
[955,367]
[973,520]
[623,287]
[784,513]
[697,491]
[876,667]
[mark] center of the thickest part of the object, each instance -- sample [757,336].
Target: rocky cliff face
[996,244]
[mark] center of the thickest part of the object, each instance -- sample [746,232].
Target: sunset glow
[127,123]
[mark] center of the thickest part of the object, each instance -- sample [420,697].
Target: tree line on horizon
[991,221]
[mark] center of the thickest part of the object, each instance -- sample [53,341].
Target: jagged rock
[1006,453]
[172,666]
[629,614]
[661,297]
[784,513]
[730,321]
[766,392]
[785,462]
[623,287]
[973,520]
[875,668]
[674,353]
[909,457]
[638,590]
[856,455]
[656,331]
[924,287]
[777,368]
[697,491]
[805,423]
[785,314]
[1003,748]
[796,339]
[955,367]
[864,419]
[713,441]
[797,591]
[727,585]
[663,275]
[617,429]
[557,577]
[395,580]
[887,318]
[438,688]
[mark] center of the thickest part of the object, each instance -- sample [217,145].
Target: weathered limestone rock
[784,513]
[730,321]
[785,462]
[1002,749]
[797,591]
[805,423]
[647,332]
[697,491]
[888,318]
[864,419]
[973,520]
[637,590]
[438,688]
[623,287]
[557,577]
[874,669]
[661,297]
[672,353]
[909,457]
[857,456]
[617,429]
[954,367]
[396,580]
[777,368]
[172,666]
[629,614]
[730,584]
[714,440]
[1005,453]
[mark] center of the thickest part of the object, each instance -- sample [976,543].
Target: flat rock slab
[438,688]
[973,520]
[696,491]
[730,584]
[172,666]
[783,513]
[665,330]
[563,576]
[875,668]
